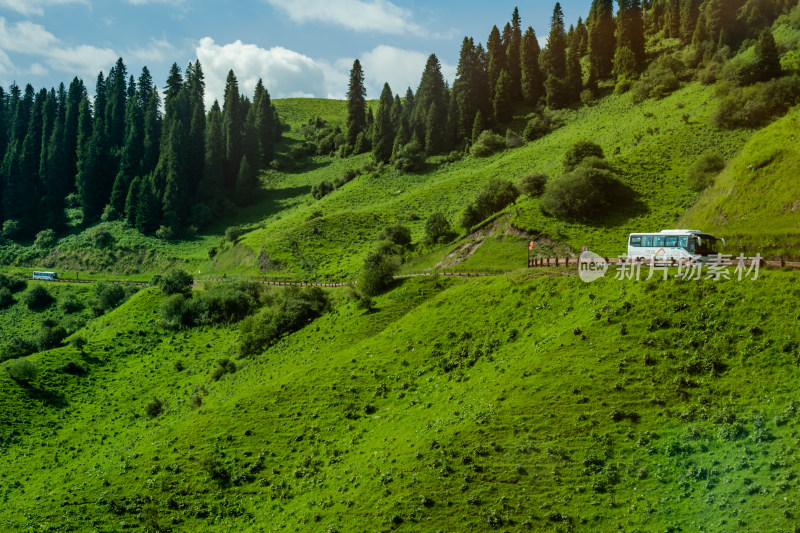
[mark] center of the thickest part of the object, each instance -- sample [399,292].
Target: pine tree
[602,43]
[581,39]
[689,15]
[451,124]
[264,124]
[212,185]
[630,30]
[503,104]
[767,64]
[555,58]
[116,105]
[478,126]
[356,105]
[195,84]
[672,19]
[76,94]
[148,210]
[700,36]
[130,158]
[245,183]
[132,201]
[55,176]
[232,130]
[573,83]
[532,82]
[152,131]
[430,105]
[513,62]
[171,177]
[469,87]
[496,59]
[93,169]
[383,137]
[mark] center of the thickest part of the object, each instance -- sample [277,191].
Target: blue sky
[299,47]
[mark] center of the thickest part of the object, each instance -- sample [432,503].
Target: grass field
[404,418]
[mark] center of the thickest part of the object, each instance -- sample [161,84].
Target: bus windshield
[705,245]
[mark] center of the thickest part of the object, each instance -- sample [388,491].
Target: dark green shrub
[658,81]
[6,299]
[533,184]
[220,304]
[537,127]
[12,229]
[45,239]
[154,408]
[173,311]
[70,304]
[487,143]
[15,347]
[73,323]
[37,298]
[494,197]
[580,151]
[397,234]
[78,342]
[292,310]
[321,189]
[378,272]
[232,233]
[224,366]
[702,171]
[107,296]
[12,284]
[436,227]
[99,237]
[22,370]
[410,157]
[49,335]
[176,281]
[585,193]
[757,105]
[72,368]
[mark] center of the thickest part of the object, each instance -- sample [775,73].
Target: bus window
[659,242]
[647,241]
[683,242]
[636,240]
[671,242]
[692,245]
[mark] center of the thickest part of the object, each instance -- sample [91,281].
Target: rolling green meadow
[175,391]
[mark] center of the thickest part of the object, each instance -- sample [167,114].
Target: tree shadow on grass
[47,397]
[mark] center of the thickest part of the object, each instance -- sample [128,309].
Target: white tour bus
[50,276]
[677,244]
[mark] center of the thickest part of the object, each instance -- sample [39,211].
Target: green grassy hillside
[755,201]
[560,406]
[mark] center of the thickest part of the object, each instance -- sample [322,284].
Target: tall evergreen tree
[573,83]
[690,11]
[76,94]
[470,90]
[152,130]
[581,39]
[496,59]
[148,210]
[196,86]
[478,125]
[602,43]
[384,134]
[672,19]
[630,30]
[212,186]
[767,64]
[430,106]
[513,62]
[116,105]
[356,105]
[503,101]
[264,124]
[246,183]
[232,129]
[555,57]
[532,82]
[130,158]
[93,171]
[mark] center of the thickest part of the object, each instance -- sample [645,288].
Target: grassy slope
[358,426]
[754,201]
[657,142]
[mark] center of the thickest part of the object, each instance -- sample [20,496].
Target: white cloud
[285,73]
[158,51]
[400,68]
[28,38]
[35,7]
[379,16]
